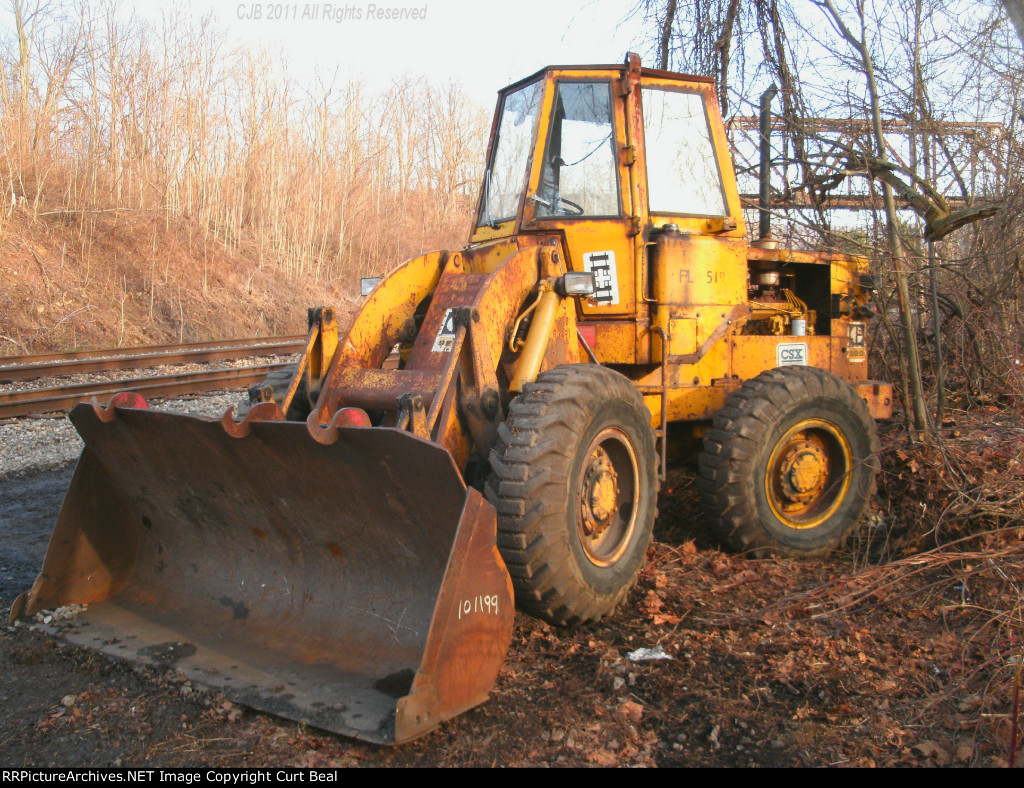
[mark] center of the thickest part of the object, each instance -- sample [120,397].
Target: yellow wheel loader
[489,430]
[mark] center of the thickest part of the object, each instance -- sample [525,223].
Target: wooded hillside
[155,183]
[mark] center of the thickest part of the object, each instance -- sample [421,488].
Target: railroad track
[14,368]
[64,397]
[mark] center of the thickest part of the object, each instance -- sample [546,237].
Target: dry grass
[140,282]
[155,185]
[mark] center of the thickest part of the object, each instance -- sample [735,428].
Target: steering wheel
[574,209]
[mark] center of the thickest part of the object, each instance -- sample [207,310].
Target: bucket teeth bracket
[264,411]
[412,415]
[123,399]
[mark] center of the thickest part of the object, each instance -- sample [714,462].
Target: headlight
[575,283]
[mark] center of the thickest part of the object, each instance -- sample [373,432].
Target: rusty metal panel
[323,583]
[614,341]
[700,280]
[694,271]
[850,359]
[485,258]
[878,396]
[378,389]
[564,346]
[455,290]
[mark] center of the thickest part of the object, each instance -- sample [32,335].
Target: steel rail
[14,368]
[36,401]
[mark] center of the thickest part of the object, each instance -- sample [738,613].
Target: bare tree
[858,41]
[103,112]
[926,68]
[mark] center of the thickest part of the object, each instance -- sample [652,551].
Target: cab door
[579,187]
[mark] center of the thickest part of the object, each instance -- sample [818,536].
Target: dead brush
[975,586]
[958,499]
[969,480]
[955,508]
[946,542]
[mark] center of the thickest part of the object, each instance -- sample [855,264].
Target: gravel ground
[34,445]
[43,443]
[141,372]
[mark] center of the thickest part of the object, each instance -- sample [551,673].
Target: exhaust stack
[764,201]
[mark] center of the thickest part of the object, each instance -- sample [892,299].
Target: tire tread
[530,467]
[739,431]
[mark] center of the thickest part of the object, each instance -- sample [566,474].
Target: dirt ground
[903,649]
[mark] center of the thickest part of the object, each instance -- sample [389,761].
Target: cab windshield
[503,180]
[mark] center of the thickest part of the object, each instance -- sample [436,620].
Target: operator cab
[598,159]
[562,148]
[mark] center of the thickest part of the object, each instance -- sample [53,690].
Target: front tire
[789,465]
[573,480]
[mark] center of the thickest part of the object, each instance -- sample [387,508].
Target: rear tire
[573,480]
[789,465]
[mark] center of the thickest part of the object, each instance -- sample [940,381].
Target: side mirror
[576,283]
[366,285]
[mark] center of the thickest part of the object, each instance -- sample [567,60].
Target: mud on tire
[789,466]
[573,480]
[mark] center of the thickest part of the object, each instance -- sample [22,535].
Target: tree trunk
[899,259]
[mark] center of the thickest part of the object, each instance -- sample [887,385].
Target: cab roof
[610,67]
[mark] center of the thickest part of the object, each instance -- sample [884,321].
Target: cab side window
[682,172]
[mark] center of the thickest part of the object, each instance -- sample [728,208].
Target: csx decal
[791,354]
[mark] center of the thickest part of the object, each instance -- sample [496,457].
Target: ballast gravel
[35,444]
[32,445]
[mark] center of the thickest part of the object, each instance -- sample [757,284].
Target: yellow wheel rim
[808,474]
[606,497]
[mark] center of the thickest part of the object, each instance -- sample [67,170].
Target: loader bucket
[354,586]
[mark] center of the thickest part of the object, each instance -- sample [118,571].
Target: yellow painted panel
[604,248]
[713,365]
[695,403]
[751,355]
[682,336]
[693,269]
[700,279]
[615,342]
